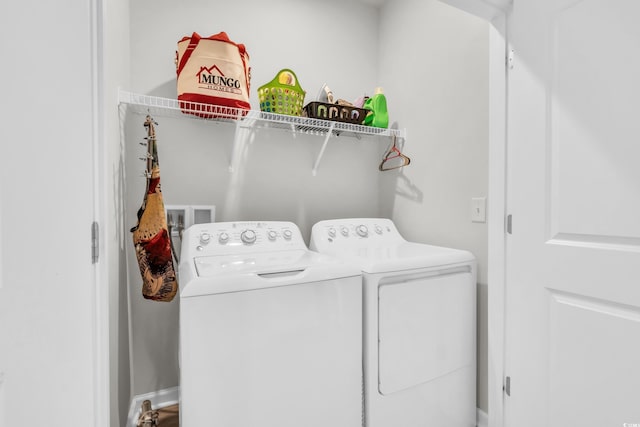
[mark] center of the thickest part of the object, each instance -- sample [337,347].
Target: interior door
[48,301]
[573,287]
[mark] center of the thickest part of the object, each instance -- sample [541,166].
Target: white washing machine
[419,323]
[270,332]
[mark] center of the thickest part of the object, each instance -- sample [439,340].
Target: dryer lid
[399,256]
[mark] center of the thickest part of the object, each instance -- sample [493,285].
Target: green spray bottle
[377,106]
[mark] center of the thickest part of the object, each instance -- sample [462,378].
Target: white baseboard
[159,399]
[482,418]
[170,396]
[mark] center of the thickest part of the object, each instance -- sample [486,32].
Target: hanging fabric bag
[212,71]
[151,237]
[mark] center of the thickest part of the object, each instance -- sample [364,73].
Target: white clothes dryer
[270,332]
[419,323]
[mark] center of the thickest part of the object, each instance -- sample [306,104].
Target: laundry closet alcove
[431,60]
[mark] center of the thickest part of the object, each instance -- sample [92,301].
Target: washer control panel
[220,238]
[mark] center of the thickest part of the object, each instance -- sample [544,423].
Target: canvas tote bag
[212,70]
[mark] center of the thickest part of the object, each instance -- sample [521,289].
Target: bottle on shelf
[377,106]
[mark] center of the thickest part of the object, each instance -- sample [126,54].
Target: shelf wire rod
[239,140]
[314,171]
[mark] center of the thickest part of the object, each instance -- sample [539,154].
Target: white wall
[432,61]
[434,66]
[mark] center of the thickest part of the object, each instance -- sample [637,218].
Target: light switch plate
[479,209]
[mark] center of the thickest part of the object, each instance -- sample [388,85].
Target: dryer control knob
[378,229]
[332,232]
[362,230]
[205,238]
[248,237]
[344,230]
[287,234]
[223,238]
[272,235]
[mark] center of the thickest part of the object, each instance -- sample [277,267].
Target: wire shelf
[248,120]
[166,107]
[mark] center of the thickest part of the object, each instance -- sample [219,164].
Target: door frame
[497,205]
[495,12]
[101,349]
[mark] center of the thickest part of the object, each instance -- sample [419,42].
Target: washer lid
[241,263]
[207,275]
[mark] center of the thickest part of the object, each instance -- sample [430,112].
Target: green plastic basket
[282,95]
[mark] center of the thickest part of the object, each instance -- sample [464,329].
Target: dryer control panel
[226,238]
[376,246]
[354,232]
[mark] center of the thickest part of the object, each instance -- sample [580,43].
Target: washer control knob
[332,232]
[287,234]
[205,238]
[223,238]
[378,229]
[248,236]
[344,230]
[362,230]
[272,235]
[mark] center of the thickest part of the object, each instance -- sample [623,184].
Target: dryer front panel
[426,328]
